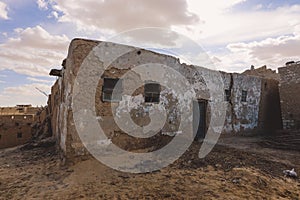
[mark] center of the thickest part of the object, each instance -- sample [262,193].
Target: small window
[244,96]
[21,110]
[227,95]
[109,87]
[152,92]
[19,135]
[0,137]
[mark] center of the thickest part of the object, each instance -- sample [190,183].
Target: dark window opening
[152,92]
[244,96]
[21,110]
[0,137]
[227,95]
[111,91]
[19,135]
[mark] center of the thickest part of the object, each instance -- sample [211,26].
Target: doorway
[199,119]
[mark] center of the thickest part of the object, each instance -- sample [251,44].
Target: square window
[227,95]
[152,92]
[21,110]
[19,135]
[244,96]
[112,90]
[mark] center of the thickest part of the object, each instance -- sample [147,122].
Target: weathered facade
[269,118]
[289,95]
[244,97]
[16,125]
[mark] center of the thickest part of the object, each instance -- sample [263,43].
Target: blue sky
[265,4]
[35,34]
[23,15]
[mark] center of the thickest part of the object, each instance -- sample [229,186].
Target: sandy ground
[237,168]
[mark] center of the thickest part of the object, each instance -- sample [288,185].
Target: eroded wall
[269,116]
[241,116]
[289,95]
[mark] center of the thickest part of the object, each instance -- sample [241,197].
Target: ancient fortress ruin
[258,100]
[252,100]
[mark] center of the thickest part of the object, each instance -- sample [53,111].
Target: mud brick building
[289,95]
[269,118]
[245,97]
[16,125]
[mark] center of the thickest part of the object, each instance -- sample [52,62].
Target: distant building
[16,125]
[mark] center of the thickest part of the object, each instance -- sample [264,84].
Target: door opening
[199,119]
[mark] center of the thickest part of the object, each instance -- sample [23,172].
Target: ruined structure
[16,125]
[269,118]
[262,72]
[289,95]
[246,98]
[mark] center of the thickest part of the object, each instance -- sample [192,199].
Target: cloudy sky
[34,34]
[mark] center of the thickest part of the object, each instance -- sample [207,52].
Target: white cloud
[39,80]
[124,15]
[33,52]
[54,14]
[220,25]
[223,25]
[258,7]
[254,36]
[273,52]
[42,4]
[25,94]
[3,11]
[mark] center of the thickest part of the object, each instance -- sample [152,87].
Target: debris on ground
[290,173]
